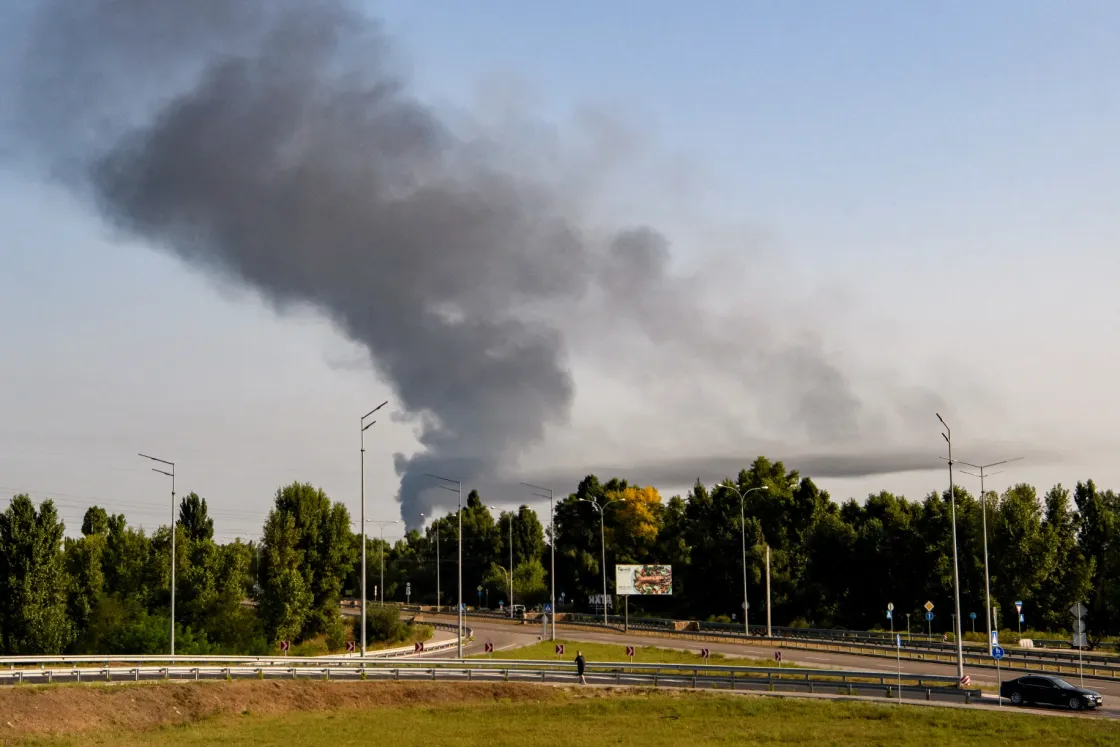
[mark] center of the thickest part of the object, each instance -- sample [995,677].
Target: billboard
[643,580]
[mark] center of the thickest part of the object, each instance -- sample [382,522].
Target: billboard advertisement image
[643,580]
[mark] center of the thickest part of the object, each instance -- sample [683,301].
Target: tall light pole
[743,532]
[382,523]
[170,474]
[984,511]
[948,436]
[364,427]
[459,488]
[603,541]
[435,525]
[552,547]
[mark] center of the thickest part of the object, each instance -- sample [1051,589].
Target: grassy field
[527,717]
[593,652]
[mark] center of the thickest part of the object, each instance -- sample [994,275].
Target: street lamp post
[459,489]
[170,474]
[984,512]
[364,427]
[603,541]
[435,524]
[552,547]
[743,532]
[381,548]
[948,436]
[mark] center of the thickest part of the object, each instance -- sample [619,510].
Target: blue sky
[950,169]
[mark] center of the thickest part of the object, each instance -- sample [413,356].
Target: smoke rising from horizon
[272,143]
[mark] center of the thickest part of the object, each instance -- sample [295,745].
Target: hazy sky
[929,190]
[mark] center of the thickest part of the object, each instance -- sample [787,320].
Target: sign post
[1019,609]
[408,592]
[997,654]
[898,656]
[890,616]
[630,653]
[1079,610]
[929,618]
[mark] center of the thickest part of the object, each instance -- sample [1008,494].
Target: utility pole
[984,511]
[383,523]
[435,525]
[948,436]
[769,632]
[364,427]
[552,547]
[170,474]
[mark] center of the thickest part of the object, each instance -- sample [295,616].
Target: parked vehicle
[1049,690]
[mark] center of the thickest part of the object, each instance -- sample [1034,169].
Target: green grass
[649,720]
[597,652]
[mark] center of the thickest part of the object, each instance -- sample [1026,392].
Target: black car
[1048,689]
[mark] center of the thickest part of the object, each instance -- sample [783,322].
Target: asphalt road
[507,636]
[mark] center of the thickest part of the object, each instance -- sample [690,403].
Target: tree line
[832,564]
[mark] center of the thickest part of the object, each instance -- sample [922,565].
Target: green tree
[95,521]
[195,519]
[33,584]
[284,599]
[83,559]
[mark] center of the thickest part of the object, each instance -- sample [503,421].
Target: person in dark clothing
[581,664]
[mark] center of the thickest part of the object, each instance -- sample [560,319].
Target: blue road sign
[972,615]
[929,616]
[997,653]
[889,615]
[1021,618]
[548,608]
[898,640]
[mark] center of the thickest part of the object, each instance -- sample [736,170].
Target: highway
[508,635]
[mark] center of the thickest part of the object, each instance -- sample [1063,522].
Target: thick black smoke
[271,142]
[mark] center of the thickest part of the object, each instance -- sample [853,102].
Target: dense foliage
[831,564]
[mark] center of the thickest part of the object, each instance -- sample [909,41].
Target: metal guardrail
[708,676]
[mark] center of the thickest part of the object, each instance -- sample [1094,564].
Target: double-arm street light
[170,474]
[459,489]
[743,535]
[435,525]
[552,545]
[601,508]
[984,511]
[381,548]
[948,436]
[364,427]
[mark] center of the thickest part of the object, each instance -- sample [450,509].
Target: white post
[898,655]
[769,632]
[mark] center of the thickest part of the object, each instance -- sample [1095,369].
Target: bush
[718,619]
[383,624]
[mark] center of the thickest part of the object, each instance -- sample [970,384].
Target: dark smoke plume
[271,142]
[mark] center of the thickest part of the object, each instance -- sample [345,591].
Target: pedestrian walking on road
[581,664]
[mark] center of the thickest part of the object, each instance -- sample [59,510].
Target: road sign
[351,647]
[778,656]
[898,640]
[745,605]
[559,649]
[1019,606]
[972,615]
[1079,610]
[705,653]
[1080,640]
[630,651]
[548,608]
[408,586]
[479,588]
[890,607]
[418,647]
[1021,618]
[997,653]
[928,606]
[285,646]
[889,615]
[1078,626]
[488,648]
[966,681]
[929,616]
[995,637]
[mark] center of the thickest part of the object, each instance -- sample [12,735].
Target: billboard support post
[626,619]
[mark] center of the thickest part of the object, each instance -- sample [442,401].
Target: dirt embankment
[70,709]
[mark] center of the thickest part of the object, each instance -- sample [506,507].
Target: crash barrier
[1034,660]
[869,684]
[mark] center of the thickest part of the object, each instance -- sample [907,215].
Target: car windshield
[1062,683]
